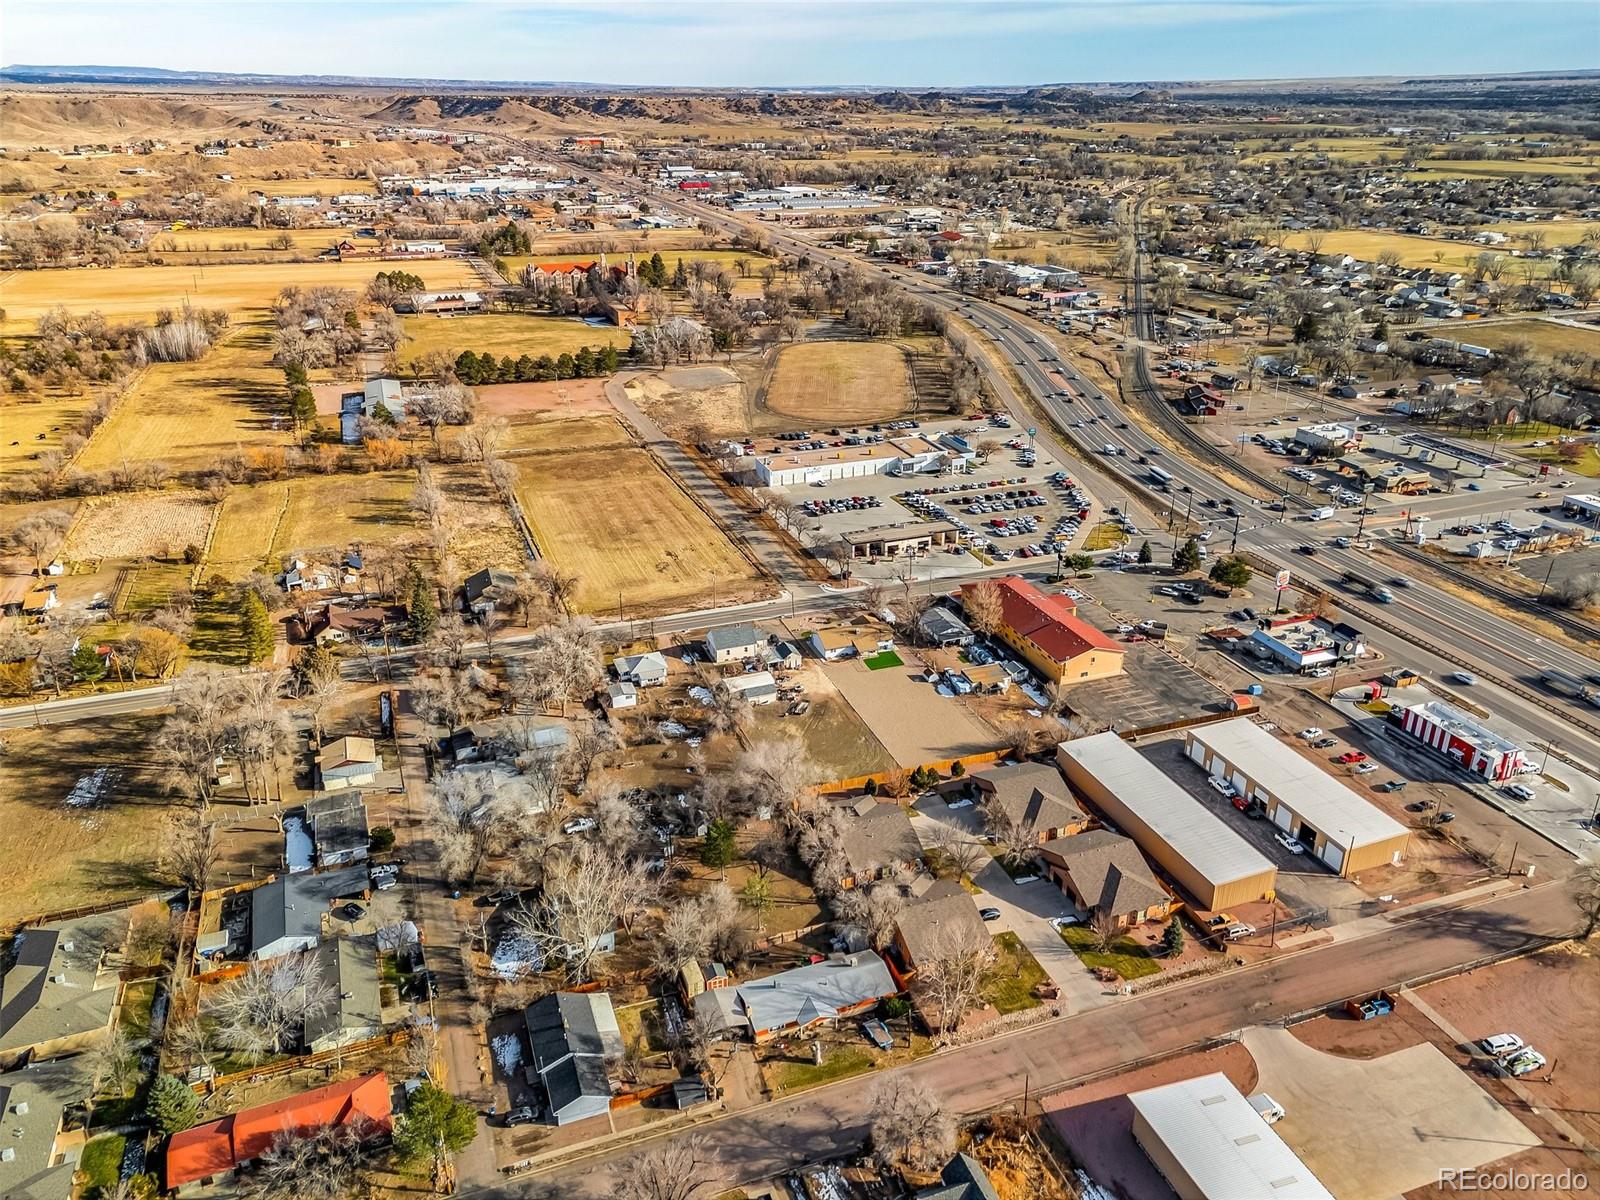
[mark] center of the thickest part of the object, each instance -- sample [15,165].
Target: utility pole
[1234,544]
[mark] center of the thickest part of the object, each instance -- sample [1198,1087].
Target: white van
[1321,514]
[1269,1109]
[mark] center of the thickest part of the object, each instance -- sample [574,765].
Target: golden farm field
[616,520]
[266,522]
[305,241]
[505,333]
[1367,244]
[839,382]
[1547,337]
[31,425]
[138,526]
[134,293]
[191,414]
[1556,233]
[534,434]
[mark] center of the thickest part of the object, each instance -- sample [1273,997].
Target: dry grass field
[30,425]
[139,525]
[506,333]
[624,527]
[1498,168]
[1547,337]
[330,512]
[1556,233]
[132,293]
[245,526]
[840,382]
[1367,244]
[216,241]
[481,532]
[189,414]
[534,434]
[77,853]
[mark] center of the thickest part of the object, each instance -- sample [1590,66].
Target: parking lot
[1016,505]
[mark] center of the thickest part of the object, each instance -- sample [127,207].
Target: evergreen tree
[544,368]
[583,363]
[1146,555]
[257,628]
[424,610]
[87,663]
[172,1104]
[1232,573]
[565,367]
[467,367]
[1186,557]
[717,850]
[608,360]
[1172,939]
[303,407]
[680,277]
[295,375]
[658,271]
[434,1127]
[525,368]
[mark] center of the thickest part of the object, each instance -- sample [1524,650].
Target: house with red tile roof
[213,1150]
[1047,632]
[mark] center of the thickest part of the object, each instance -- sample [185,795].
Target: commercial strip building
[1346,832]
[1470,744]
[1047,632]
[1209,1143]
[911,455]
[1211,862]
[892,541]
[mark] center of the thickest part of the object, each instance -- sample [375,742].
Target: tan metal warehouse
[1210,861]
[1346,832]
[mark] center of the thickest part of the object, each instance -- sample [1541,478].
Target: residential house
[943,919]
[642,670]
[481,589]
[60,992]
[1031,795]
[621,694]
[780,655]
[349,966]
[378,400]
[943,628]
[757,687]
[571,1035]
[878,839]
[41,1139]
[791,1002]
[1046,631]
[733,643]
[212,1152]
[833,644]
[1105,875]
[348,762]
[289,912]
[963,1178]
[338,825]
[340,626]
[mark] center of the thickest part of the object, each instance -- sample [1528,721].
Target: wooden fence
[306,1061]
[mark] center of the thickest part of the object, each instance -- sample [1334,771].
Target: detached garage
[1346,832]
[1211,862]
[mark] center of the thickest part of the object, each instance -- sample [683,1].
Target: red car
[1352,756]
[1241,803]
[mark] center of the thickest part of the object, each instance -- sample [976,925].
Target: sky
[795,43]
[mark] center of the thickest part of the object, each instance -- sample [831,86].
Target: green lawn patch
[1105,536]
[1009,983]
[885,658]
[839,1062]
[101,1163]
[1126,957]
[137,999]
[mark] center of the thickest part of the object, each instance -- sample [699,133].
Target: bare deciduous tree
[950,972]
[586,893]
[982,604]
[329,1163]
[264,1011]
[189,851]
[909,1127]
[681,1168]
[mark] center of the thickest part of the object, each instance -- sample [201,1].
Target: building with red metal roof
[1046,631]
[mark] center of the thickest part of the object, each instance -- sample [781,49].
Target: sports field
[190,414]
[625,528]
[134,293]
[840,382]
[506,333]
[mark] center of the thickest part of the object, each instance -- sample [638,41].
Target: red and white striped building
[1464,741]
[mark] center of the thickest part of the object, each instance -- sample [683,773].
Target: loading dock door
[1238,783]
[1281,817]
[1333,855]
[1197,752]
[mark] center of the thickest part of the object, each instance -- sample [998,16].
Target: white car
[1521,791]
[1241,930]
[1465,677]
[1289,843]
[1524,1062]
[581,825]
[1501,1044]
[1308,734]
[1058,923]
[1366,768]
[1220,786]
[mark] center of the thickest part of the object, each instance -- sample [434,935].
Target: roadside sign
[1033,431]
[1283,579]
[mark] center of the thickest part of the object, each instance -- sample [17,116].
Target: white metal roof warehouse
[1342,828]
[1210,1144]
[1217,866]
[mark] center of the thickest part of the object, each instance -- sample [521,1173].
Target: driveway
[1025,910]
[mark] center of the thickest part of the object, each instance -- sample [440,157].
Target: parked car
[1221,786]
[581,825]
[1367,768]
[1352,756]
[1241,803]
[1526,1062]
[521,1116]
[1521,791]
[1241,930]
[1324,742]
[1394,785]
[1501,1044]
[1289,843]
[1310,734]
[989,914]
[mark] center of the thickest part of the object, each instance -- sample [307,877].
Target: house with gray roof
[571,1035]
[349,966]
[944,917]
[943,628]
[877,839]
[338,824]
[287,913]
[791,1002]
[963,1178]
[40,1133]
[1028,795]
[59,991]
[733,643]
[1105,874]
[642,670]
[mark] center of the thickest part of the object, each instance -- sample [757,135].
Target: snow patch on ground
[672,729]
[702,696]
[508,1053]
[515,955]
[93,788]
